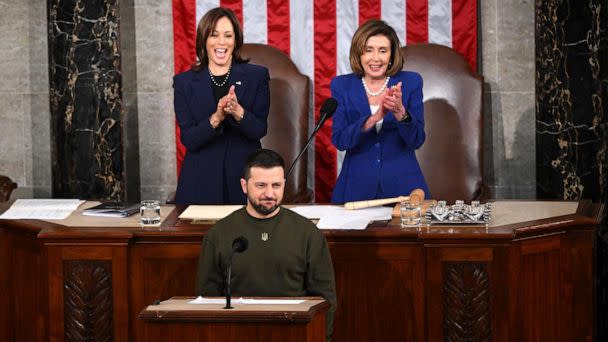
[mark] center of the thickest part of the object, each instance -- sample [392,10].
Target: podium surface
[176,319]
[527,276]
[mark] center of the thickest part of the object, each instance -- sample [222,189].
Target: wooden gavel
[416,196]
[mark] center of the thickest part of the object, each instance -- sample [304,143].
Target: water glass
[150,212]
[410,214]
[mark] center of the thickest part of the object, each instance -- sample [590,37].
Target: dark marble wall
[572,122]
[87,121]
[571,76]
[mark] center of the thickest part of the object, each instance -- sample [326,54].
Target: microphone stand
[228,296]
[300,154]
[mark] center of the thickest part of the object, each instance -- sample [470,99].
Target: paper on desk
[203,300]
[41,209]
[208,212]
[336,217]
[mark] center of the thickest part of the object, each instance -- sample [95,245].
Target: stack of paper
[336,217]
[41,209]
[241,300]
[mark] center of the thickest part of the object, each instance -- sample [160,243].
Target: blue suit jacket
[216,157]
[384,161]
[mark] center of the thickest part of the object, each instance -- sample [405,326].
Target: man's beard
[262,210]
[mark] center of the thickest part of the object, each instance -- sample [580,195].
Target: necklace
[379,91]
[225,79]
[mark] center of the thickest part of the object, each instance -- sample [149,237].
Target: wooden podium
[175,320]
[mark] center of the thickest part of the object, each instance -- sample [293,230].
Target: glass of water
[410,214]
[150,212]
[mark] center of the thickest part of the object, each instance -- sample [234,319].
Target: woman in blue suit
[379,121]
[221,106]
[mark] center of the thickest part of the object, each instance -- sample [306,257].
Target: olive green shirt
[294,260]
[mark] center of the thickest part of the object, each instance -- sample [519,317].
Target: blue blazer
[377,164]
[215,157]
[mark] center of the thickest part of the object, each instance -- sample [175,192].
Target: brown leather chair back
[452,155]
[6,188]
[288,117]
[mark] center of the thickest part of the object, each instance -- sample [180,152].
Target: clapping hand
[216,118]
[232,105]
[393,101]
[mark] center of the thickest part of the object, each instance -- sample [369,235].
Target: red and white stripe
[316,34]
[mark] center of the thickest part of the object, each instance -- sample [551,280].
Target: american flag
[316,34]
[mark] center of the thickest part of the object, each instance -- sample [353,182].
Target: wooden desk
[175,320]
[529,276]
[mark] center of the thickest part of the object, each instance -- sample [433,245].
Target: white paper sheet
[241,300]
[41,209]
[336,217]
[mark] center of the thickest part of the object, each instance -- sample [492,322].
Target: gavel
[416,196]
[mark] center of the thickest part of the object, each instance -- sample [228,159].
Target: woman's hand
[378,115]
[232,106]
[216,118]
[393,102]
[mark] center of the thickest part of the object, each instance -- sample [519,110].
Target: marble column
[90,125]
[571,118]
[571,76]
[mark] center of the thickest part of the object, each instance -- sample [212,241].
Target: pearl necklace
[225,79]
[379,91]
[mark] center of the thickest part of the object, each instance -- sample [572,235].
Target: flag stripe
[393,12]
[464,30]
[254,21]
[417,13]
[202,7]
[184,37]
[440,22]
[325,70]
[278,25]
[236,6]
[368,9]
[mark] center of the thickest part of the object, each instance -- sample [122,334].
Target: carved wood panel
[466,302]
[87,293]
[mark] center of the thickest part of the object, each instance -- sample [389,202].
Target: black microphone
[239,245]
[328,108]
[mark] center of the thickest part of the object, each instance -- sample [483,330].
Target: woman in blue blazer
[221,106]
[379,121]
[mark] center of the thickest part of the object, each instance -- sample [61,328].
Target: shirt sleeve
[210,278]
[347,130]
[320,276]
[193,134]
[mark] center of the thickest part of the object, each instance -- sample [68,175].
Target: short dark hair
[263,158]
[204,29]
[371,28]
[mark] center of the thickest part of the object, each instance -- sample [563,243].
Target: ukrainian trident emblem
[264,236]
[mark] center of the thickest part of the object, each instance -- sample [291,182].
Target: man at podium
[287,255]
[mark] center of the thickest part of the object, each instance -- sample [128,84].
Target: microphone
[239,245]
[328,108]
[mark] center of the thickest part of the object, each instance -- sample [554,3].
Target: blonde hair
[371,28]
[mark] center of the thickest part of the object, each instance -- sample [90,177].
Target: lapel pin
[238,82]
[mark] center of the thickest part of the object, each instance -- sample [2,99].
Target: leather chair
[6,188]
[452,155]
[288,116]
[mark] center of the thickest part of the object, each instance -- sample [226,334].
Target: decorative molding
[87,293]
[466,302]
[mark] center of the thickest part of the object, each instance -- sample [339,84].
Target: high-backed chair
[452,155]
[6,188]
[288,117]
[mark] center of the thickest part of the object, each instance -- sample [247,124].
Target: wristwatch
[406,117]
